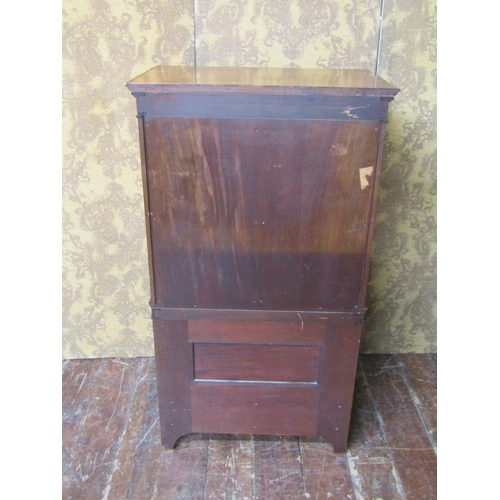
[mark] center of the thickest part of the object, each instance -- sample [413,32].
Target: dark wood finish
[146,210]
[239,408]
[240,331]
[250,106]
[260,188]
[373,213]
[293,317]
[241,224]
[337,378]
[256,362]
[136,465]
[174,373]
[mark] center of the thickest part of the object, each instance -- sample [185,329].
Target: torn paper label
[364,173]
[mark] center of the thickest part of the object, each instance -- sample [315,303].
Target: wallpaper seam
[195,38]
[379,41]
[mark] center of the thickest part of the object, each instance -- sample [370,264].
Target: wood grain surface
[270,80]
[258,331]
[260,197]
[420,375]
[326,474]
[254,408]
[228,315]
[264,362]
[278,469]
[275,222]
[408,432]
[231,467]
[270,107]
[174,370]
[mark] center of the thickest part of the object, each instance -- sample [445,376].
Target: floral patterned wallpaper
[108,42]
[284,33]
[105,276]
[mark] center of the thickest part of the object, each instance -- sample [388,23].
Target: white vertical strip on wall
[379,42]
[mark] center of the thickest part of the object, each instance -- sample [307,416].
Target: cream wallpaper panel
[105,276]
[287,33]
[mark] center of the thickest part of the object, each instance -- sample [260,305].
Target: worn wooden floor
[112,450]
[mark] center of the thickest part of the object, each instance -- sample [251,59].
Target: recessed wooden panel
[259,214]
[254,408]
[263,362]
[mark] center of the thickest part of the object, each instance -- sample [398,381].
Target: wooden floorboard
[326,474]
[417,472]
[80,381]
[112,450]
[136,461]
[93,454]
[366,430]
[278,470]
[403,427]
[231,467]
[374,474]
[420,376]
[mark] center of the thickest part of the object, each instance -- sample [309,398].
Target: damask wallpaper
[105,276]
[108,42]
[401,296]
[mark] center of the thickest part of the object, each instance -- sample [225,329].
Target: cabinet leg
[173,372]
[338,438]
[337,377]
[170,437]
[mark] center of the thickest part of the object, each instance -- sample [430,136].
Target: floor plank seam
[417,404]
[109,484]
[354,475]
[91,404]
[372,399]
[253,476]
[398,482]
[433,358]
[209,438]
[306,494]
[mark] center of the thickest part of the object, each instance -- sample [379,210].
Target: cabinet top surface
[261,80]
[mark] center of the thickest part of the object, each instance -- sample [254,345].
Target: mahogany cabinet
[259,190]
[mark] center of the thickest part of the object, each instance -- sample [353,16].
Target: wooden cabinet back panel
[259,214]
